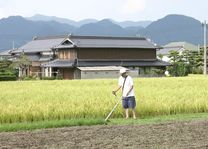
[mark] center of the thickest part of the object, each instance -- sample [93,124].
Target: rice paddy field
[28,101]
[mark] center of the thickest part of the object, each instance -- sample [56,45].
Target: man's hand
[114,93]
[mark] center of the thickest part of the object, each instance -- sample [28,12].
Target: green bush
[48,78]
[59,76]
[27,78]
[198,70]
[158,71]
[8,78]
[6,72]
[179,69]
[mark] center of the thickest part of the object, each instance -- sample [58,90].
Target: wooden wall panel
[67,54]
[116,54]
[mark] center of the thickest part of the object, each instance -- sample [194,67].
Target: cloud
[1,13]
[5,3]
[134,6]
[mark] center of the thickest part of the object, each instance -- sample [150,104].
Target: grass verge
[88,122]
[49,124]
[159,119]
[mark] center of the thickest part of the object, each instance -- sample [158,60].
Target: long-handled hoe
[119,100]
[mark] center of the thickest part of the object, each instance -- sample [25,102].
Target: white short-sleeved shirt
[127,85]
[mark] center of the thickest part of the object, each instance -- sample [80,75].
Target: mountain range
[19,30]
[39,17]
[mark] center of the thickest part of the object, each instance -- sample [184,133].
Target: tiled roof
[45,58]
[101,63]
[33,57]
[59,63]
[5,53]
[40,45]
[177,46]
[124,63]
[111,42]
[49,43]
[104,68]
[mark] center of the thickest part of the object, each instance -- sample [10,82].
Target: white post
[20,72]
[13,45]
[42,72]
[198,48]
[205,48]
[46,71]
[50,72]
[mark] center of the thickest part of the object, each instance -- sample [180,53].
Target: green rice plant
[30,101]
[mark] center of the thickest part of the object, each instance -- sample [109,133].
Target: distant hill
[104,28]
[20,30]
[174,28]
[168,29]
[39,17]
[134,31]
[134,23]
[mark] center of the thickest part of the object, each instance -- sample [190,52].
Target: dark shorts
[129,102]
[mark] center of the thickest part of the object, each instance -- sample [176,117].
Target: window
[60,55]
[64,55]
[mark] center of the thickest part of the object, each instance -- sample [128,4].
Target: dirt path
[176,135]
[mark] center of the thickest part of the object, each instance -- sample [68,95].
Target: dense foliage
[187,62]
[6,72]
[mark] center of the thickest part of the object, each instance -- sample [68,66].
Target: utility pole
[13,45]
[205,47]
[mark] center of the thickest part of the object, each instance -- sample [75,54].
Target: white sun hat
[123,70]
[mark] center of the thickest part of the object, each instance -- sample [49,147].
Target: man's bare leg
[134,113]
[127,113]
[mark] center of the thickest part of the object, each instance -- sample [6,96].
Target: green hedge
[48,78]
[6,72]
[8,78]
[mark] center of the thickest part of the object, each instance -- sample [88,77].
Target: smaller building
[6,55]
[176,46]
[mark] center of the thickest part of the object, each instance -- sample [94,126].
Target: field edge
[90,122]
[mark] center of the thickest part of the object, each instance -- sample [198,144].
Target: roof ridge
[88,37]
[50,37]
[108,37]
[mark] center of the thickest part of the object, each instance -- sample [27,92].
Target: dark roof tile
[59,63]
[47,44]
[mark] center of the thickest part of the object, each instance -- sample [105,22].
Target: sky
[119,10]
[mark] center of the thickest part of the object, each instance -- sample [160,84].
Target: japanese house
[71,55]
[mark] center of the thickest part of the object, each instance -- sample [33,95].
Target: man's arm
[114,91]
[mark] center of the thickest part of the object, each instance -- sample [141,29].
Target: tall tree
[23,64]
[179,65]
[160,56]
[186,62]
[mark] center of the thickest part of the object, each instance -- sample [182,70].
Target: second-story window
[64,55]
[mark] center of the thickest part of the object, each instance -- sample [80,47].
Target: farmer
[125,83]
